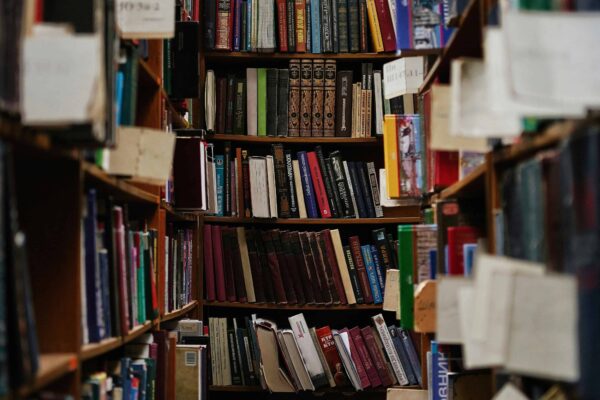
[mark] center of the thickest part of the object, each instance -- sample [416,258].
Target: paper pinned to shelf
[146,19]
[510,392]
[391,298]
[402,76]
[447,316]
[553,57]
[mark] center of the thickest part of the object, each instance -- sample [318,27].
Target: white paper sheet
[146,19]
[447,315]
[510,392]
[402,76]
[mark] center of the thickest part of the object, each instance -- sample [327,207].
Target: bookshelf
[303,307]
[315,221]
[343,57]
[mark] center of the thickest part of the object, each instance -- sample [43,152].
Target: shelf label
[146,19]
[402,76]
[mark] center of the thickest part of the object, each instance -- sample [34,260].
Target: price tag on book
[146,19]
[402,76]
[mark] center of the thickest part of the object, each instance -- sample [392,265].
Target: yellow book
[390,155]
[374,24]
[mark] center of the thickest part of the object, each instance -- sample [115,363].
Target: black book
[342,26]
[353,26]
[210,17]
[383,248]
[296,248]
[266,277]
[358,191]
[361,169]
[236,373]
[294,212]
[281,181]
[343,104]
[245,360]
[283,88]
[397,105]
[394,249]
[260,289]
[311,268]
[334,25]
[272,109]
[286,276]
[327,181]
[337,169]
[353,276]
[291,26]
[227,179]
[230,105]
[334,188]
[326,27]
[239,119]
[185,79]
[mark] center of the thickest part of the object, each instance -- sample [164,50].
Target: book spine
[291,185]
[326,26]
[319,186]
[227,179]
[247,210]
[325,282]
[358,191]
[300,25]
[306,97]
[281,181]
[334,25]
[292,266]
[299,192]
[236,375]
[383,248]
[221,103]
[363,29]
[251,101]
[315,26]
[379,268]
[328,182]
[272,81]
[282,25]
[327,246]
[291,25]
[357,359]
[282,102]
[337,168]
[239,122]
[287,277]
[294,99]
[231,96]
[329,102]
[372,274]
[227,264]
[342,26]
[360,268]
[250,10]
[412,354]
[388,345]
[370,368]
[356,286]
[376,356]
[402,356]
[308,20]
[310,270]
[366,188]
[406,263]
[307,185]
[255,267]
[210,16]
[262,102]
[335,201]
[274,268]
[237,26]
[375,27]
[353,26]
[374,189]
[223,28]
[209,264]
[236,260]
[351,192]
[386,25]
[403,25]
[343,113]
[318,88]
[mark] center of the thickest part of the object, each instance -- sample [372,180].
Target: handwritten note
[146,19]
[402,76]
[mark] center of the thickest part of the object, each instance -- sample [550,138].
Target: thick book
[233,288]
[262,101]
[293,128]
[361,169]
[267,32]
[326,26]
[374,185]
[259,190]
[311,268]
[330,353]
[282,102]
[308,286]
[291,25]
[354,26]
[308,191]
[411,352]
[319,185]
[318,89]
[342,266]
[343,104]
[251,101]
[359,190]
[293,195]
[237,25]
[330,100]
[386,25]
[299,191]
[281,181]
[272,82]
[328,247]
[353,274]
[325,281]
[239,120]
[342,26]
[363,26]
[300,25]
[256,269]
[221,293]
[375,31]
[185,80]
[308,350]
[274,267]
[361,270]
[209,267]
[282,25]
[363,352]
[388,345]
[355,354]
[342,343]
[351,191]
[406,259]
[224,25]
[379,268]
[383,248]
[293,267]
[245,264]
[339,177]
[376,289]
[306,97]
[287,278]
[391,156]
[330,186]
[402,356]
[268,283]
[315,26]
[377,356]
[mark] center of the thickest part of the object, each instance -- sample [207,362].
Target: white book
[272,187]
[388,345]
[308,350]
[343,346]
[351,189]
[299,190]
[392,5]
[251,102]
[342,266]
[210,98]
[378,101]
[259,190]
[266,25]
[203,175]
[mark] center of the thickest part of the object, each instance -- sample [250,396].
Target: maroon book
[187,177]
[377,356]
[284,268]
[318,264]
[218,262]
[228,264]
[265,272]
[293,267]
[386,26]
[236,260]
[255,267]
[279,289]
[119,228]
[282,25]
[221,104]
[161,338]
[361,270]
[335,271]
[357,360]
[327,268]
[311,269]
[365,357]
[209,266]
[296,246]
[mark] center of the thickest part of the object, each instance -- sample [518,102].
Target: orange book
[390,155]
[374,25]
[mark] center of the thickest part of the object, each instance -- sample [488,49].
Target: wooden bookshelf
[119,188]
[138,331]
[293,140]
[180,312]
[350,57]
[53,366]
[295,307]
[313,221]
[178,216]
[92,350]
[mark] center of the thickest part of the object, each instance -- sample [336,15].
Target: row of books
[311,98]
[290,267]
[324,26]
[179,246]
[165,364]
[361,358]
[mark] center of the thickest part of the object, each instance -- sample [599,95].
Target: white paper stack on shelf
[512,315]
[146,19]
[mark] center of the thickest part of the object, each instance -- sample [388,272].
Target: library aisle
[299,199]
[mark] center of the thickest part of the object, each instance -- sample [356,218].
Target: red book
[357,359]
[39,11]
[273,263]
[335,271]
[300,8]
[361,270]
[282,25]
[224,25]
[385,25]
[162,358]
[228,263]
[218,261]
[196,10]
[240,182]
[319,186]
[119,229]
[376,356]
[457,237]
[209,266]
[155,310]
[370,368]
[446,168]
[331,355]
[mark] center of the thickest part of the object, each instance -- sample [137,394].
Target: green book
[406,266]
[141,287]
[428,216]
[262,101]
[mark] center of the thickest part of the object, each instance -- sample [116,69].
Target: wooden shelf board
[305,307]
[175,215]
[53,366]
[148,73]
[121,189]
[138,331]
[465,185]
[217,55]
[181,312]
[92,350]
[237,388]
[456,45]
[294,140]
[314,221]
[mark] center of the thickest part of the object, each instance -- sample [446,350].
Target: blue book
[92,280]
[315,24]
[446,259]
[379,267]
[309,193]
[249,11]
[409,348]
[237,26]
[469,257]
[358,190]
[371,273]
[220,183]
[403,25]
[126,377]
[432,264]
[119,95]
[105,280]
[439,374]
[406,366]
[140,371]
